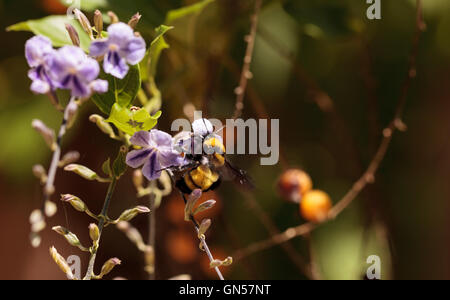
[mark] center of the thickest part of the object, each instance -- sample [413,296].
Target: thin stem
[101,225]
[206,248]
[49,187]
[369,175]
[246,74]
[152,235]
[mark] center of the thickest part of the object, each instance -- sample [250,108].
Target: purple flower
[157,153]
[73,70]
[121,48]
[39,53]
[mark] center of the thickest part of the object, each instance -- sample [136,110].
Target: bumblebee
[206,164]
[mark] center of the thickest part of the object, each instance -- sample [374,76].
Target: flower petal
[160,138]
[120,32]
[134,52]
[89,69]
[115,65]
[40,87]
[152,167]
[137,158]
[141,139]
[79,87]
[36,49]
[169,158]
[99,86]
[98,48]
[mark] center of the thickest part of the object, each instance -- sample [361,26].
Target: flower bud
[76,202]
[204,206]
[40,173]
[35,240]
[104,126]
[204,226]
[72,110]
[47,133]
[114,18]
[219,263]
[135,20]
[61,262]
[191,201]
[98,23]
[84,21]
[293,184]
[69,158]
[73,34]
[315,206]
[50,208]
[109,266]
[37,221]
[82,171]
[129,214]
[71,238]
[94,232]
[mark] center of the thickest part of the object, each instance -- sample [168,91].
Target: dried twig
[369,175]
[246,73]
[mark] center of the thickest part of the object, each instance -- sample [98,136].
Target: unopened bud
[37,221]
[129,214]
[82,171]
[69,158]
[35,240]
[98,23]
[104,126]
[72,110]
[61,262]
[219,263]
[71,238]
[50,208]
[94,232]
[84,21]
[76,202]
[40,173]
[204,206]
[73,34]
[109,266]
[114,18]
[135,20]
[47,133]
[204,226]
[191,201]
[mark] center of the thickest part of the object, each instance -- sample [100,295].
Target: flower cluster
[70,68]
[66,68]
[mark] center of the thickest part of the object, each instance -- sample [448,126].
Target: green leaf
[122,92]
[54,28]
[182,12]
[119,164]
[150,63]
[106,167]
[132,121]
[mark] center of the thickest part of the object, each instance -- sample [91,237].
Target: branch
[369,175]
[101,225]
[246,74]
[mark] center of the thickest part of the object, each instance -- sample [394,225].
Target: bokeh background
[329,74]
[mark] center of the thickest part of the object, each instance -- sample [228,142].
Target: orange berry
[293,184]
[315,205]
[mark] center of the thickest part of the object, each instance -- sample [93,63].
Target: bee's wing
[240,177]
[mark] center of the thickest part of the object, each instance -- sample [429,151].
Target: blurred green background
[309,54]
